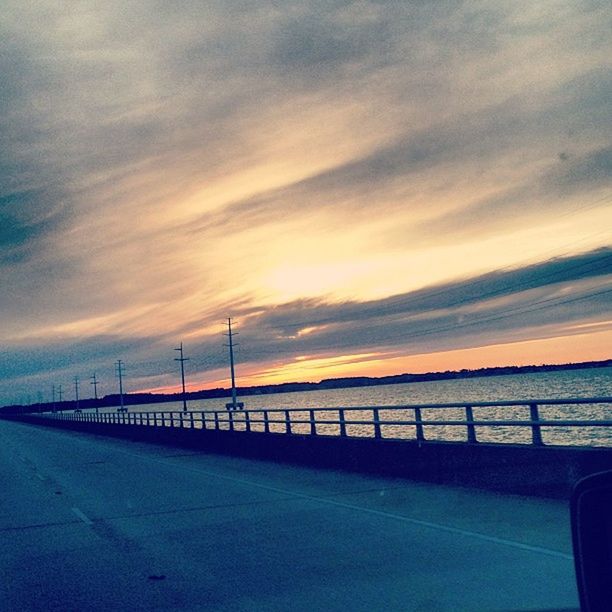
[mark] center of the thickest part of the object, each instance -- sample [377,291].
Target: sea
[566,384]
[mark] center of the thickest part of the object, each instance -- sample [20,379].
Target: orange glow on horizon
[557,350]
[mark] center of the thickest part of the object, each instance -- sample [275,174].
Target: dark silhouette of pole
[76,392]
[120,369]
[52,398]
[94,382]
[231,345]
[182,361]
[60,393]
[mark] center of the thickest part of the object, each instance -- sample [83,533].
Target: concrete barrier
[542,471]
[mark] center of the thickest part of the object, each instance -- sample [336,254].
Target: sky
[366,188]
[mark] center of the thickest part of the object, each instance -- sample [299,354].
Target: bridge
[148,518]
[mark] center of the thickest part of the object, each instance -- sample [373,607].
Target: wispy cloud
[164,165]
[561,297]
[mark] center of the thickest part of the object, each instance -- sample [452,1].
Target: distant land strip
[289,387]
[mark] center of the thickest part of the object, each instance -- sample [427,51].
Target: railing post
[203,419]
[420,436]
[181,420]
[216,420]
[376,416]
[266,422]
[171,419]
[287,422]
[471,430]
[536,432]
[163,418]
[247,420]
[313,423]
[342,423]
[191,420]
[148,419]
[231,420]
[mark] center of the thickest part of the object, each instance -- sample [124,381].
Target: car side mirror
[591,512]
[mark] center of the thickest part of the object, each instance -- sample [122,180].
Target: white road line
[381,513]
[82,516]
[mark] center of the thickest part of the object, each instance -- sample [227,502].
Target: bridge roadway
[95,523]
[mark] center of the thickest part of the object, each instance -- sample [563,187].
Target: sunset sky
[367,188]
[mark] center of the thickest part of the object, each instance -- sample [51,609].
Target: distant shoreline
[135,399]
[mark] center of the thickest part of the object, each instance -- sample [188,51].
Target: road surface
[95,523]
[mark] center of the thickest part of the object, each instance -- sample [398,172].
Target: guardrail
[389,422]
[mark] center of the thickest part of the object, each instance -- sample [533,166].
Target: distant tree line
[135,399]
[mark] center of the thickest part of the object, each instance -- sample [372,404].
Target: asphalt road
[94,523]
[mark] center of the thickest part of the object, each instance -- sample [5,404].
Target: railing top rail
[502,403]
[463,423]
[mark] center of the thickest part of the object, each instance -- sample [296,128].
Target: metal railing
[388,422]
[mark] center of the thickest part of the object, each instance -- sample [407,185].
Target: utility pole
[60,394]
[234,404]
[182,360]
[119,371]
[94,382]
[52,398]
[76,393]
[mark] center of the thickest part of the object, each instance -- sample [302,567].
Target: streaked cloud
[164,166]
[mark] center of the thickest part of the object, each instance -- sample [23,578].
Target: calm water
[542,385]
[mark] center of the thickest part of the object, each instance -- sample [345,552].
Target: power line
[382,311]
[534,307]
[539,305]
